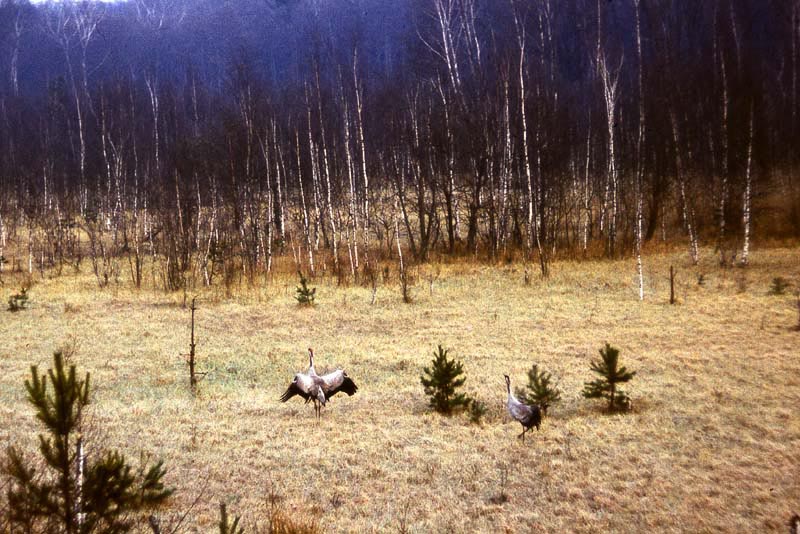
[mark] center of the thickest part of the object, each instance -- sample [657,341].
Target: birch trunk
[746,201]
[304,206]
[639,156]
[610,80]
[687,211]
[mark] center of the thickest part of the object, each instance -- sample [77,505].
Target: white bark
[724,188]
[587,192]
[746,201]
[687,210]
[639,157]
[525,156]
[352,233]
[327,172]
[610,80]
[306,221]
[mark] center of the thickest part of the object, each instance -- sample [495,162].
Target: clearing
[712,444]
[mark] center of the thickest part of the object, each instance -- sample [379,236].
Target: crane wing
[519,411]
[291,391]
[528,416]
[338,381]
[301,385]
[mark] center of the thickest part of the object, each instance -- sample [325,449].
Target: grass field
[712,444]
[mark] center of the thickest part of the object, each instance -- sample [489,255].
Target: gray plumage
[528,416]
[309,386]
[333,382]
[306,387]
[318,389]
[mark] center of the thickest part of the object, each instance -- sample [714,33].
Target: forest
[215,138]
[534,264]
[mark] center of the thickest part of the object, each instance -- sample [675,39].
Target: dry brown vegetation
[712,444]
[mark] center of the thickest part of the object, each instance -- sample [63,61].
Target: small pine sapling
[540,389]
[779,286]
[611,374]
[62,491]
[305,295]
[19,301]
[441,380]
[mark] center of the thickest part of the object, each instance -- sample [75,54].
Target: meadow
[712,443]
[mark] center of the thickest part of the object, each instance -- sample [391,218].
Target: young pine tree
[67,493]
[441,380]
[305,294]
[540,389]
[611,374]
[19,301]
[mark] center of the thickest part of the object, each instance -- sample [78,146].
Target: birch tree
[610,80]
[747,195]
[639,154]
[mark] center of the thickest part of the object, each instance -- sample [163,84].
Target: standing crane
[308,386]
[318,389]
[528,416]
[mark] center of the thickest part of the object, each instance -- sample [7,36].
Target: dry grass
[713,443]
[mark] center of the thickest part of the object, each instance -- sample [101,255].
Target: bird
[309,387]
[318,389]
[305,386]
[333,382]
[528,416]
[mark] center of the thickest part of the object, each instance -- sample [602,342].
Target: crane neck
[311,369]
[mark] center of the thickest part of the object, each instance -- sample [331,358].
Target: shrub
[62,492]
[611,374]
[305,295]
[540,389]
[282,523]
[477,410]
[19,301]
[441,380]
[225,526]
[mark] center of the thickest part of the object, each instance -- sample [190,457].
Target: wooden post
[671,284]
[192,374]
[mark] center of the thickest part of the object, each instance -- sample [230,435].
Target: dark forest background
[205,139]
